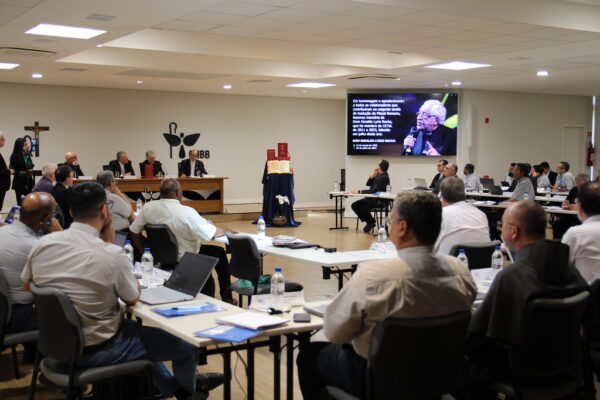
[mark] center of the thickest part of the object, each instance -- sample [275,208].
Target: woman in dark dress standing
[21,163]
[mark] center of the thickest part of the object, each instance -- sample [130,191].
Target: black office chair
[106,167]
[548,363]
[163,245]
[246,266]
[478,254]
[379,214]
[415,359]
[11,339]
[61,342]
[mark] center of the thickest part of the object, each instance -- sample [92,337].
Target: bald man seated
[16,241]
[71,161]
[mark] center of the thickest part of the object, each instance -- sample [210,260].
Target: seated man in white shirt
[564,180]
[83,263]
[416,284]
[471,180]
[189,229]
[584,240]
[119,206]
[524,189]
[461,221]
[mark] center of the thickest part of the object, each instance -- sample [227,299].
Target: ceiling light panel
[458,65]
[74,32]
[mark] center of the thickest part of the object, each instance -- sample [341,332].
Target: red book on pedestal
[271,155]
[282,150]
[149,171]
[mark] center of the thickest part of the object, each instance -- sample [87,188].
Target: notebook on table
[317,307]
[188,277]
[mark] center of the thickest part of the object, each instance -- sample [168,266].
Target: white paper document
[252,320]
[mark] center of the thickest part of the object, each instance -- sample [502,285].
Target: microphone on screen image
[407,147]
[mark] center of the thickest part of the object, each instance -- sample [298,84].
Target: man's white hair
[48,169]
[436,109]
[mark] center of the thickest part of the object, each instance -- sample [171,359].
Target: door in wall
[573,144]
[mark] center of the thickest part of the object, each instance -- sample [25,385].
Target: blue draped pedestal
[278,184]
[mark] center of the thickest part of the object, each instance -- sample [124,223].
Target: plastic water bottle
[260,228]
[463,257]
[336,186]
[128,249]
[480,188]
[138,206]
[497,259]
[388,189]
[17,214]
[381,234]
[277,290]
[147,267]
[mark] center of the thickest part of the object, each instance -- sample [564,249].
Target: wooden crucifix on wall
[36,129]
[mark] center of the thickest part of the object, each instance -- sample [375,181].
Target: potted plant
[279,215]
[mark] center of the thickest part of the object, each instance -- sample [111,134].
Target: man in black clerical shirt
[540,266]
[192,166]
[122,165]
[151,160]
[430,137]
[71,161]
[377,182]
[440,168]
[60,192]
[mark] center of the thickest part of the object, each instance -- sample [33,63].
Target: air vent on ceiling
[259,81]
[395,52]
[171,74]
[73,69]
[374,76]
[100,17]
[24,52]
[519,58]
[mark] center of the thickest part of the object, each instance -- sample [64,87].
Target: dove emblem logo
[174,139]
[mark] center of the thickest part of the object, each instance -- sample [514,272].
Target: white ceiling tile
[235,30]
[382,12]
[368,44]
[212,17]
[469,35]
[428,18]
[5,19]
[12,11]
[435,42]
[191,26]
[509,28]
[328,6]
[281,35]
[404,48]
[433,31]
[326,39]
[468,45]
[241,8]
[547,33]
[263,23]
[390,27]
[579,36]
[293,15]
[343,21]
[508,48]
[276,3]
[309,28]
[541,43]
[505,39]
[469,23]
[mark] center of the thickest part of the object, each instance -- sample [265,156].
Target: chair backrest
[106,167]
[5,306]
[61,336]
[163,244]
[478,253]
[245,260]
[417,358]
[593,326]
[551,336]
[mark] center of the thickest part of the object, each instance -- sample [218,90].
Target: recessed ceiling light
[37,75]
[4,65]
[99,45]
[305,91]
[542,73]
[456,83]
[457,65]
[312,85]
[139,82]
[75,32]
[227,87]
[397,79]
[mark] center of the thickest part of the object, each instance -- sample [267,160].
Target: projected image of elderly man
[430,137]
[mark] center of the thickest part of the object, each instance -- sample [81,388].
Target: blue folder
[228,333]
[178,311]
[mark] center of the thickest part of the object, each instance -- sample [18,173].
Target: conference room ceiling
[260,46]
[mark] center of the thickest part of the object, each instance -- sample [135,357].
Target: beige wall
[523,128]
[237,130]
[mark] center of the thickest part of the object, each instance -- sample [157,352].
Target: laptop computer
[317,307]
[487,183]
[496,190]
[188,277]
[420,183]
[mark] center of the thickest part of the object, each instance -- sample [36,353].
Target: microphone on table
[408,149]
